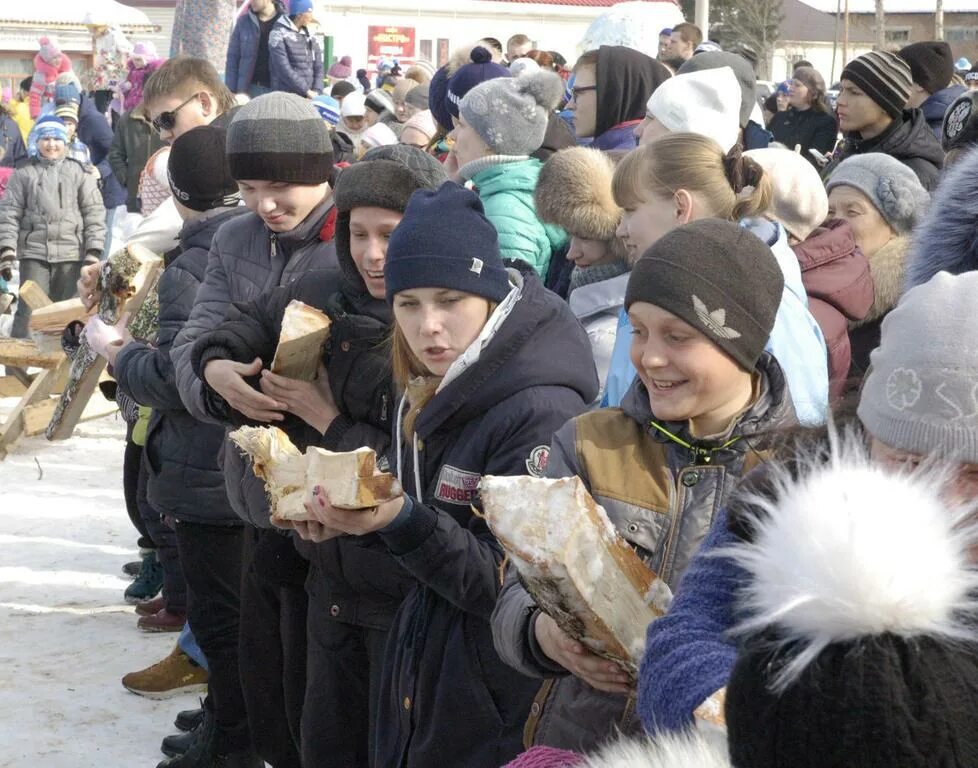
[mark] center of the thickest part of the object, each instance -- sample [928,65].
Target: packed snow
[66,635]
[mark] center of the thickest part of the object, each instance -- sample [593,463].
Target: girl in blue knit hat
[491,363]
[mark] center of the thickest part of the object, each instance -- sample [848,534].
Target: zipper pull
[383,407]
[274,241]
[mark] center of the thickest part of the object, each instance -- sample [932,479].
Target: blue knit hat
[299,6]
[328,108]
[469,76]
[445,241]
[47,126]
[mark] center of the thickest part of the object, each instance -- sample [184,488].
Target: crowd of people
[747,338]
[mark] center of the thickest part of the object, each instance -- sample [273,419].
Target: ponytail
[731,186]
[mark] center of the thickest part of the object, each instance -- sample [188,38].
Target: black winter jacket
[446,697]
[909,139]
[184,479]
[809,128]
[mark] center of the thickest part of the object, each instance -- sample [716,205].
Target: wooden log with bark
[578,568]
[304,333]
[125,283]
[350,479]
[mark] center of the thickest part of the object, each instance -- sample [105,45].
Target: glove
[101,335]
[92,256]
[7,259]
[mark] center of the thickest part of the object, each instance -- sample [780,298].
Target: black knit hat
[280,137]
[719,278]
[931,64]
[341,89]
[385,177]
[446,241]
[198,171]
[884,76]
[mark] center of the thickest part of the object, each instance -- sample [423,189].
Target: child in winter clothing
[491,363]
[49,62]
[112,51]
[142,63]
[706,399]
[280,153]
[684,177]
[882,200]
[916,403]
[77,149]
[500,123]
[51,218]
[295,57]
[574,193]
[184,479]
[354,585]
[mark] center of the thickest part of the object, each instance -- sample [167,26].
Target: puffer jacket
[937,104]
[446,696]
[184,479]
[52,211]
[132,86]
[13,150]
[245,260]
[597,306]
[133,143]
[840,290]
[295,59]
[239,69]
[95,133]
[806,128]
[909,139]
[506,189]
[662,498]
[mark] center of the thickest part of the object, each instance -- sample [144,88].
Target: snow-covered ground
[66,635]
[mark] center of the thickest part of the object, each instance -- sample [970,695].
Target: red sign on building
[390,43]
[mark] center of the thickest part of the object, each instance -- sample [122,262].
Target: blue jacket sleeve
[688,653]
[234,56]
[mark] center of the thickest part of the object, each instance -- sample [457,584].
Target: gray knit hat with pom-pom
[511,113]
[891,187]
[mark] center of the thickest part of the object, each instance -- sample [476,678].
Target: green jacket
[506,191]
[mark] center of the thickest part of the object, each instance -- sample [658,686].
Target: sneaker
[149,607]
[132,569]
[149,582]
[172,676]
[189,719]
[162,621]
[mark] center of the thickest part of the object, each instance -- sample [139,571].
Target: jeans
[188,644]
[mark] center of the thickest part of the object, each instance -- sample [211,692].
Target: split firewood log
[575,564]
[304,333]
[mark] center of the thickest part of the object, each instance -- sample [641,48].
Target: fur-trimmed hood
[574,193]
[693,749]
[887,267]
[947,239]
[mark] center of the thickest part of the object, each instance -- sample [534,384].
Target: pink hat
[49,48]
[144,50]
[342,69]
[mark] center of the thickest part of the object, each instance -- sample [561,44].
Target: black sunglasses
[578,90]
[167,121]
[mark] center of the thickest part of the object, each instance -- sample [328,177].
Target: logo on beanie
[476,266]
[715,321]
[903,388]
[957,119]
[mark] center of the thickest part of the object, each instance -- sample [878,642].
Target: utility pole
[701,17]
[845,35]
[880,26]
[939,20]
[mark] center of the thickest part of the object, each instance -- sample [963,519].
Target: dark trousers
[59,281]
[131,461]
[165,539]
[273,645]
[212,559]
[344,666]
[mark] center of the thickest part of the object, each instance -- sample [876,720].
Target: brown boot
[162,621]
[172,676]
[149,607]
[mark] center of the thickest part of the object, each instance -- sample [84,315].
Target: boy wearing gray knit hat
[919,396]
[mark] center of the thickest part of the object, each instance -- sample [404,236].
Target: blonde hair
[732,186]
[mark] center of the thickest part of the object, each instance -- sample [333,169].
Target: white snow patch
[66,636]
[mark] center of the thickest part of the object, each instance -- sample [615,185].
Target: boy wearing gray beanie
[500,123]
[279,152]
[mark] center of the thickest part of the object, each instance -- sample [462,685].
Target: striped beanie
[280,137]
[884,76]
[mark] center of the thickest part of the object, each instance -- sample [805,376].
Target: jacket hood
[308,229]
[772,410]
[910,137]
[513,176]
[946,238]
[574,193]
[539,344]
[775,237]
[599,297]
[887,266]
[200,232]
[834,269]
[625,80]
[937,103]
